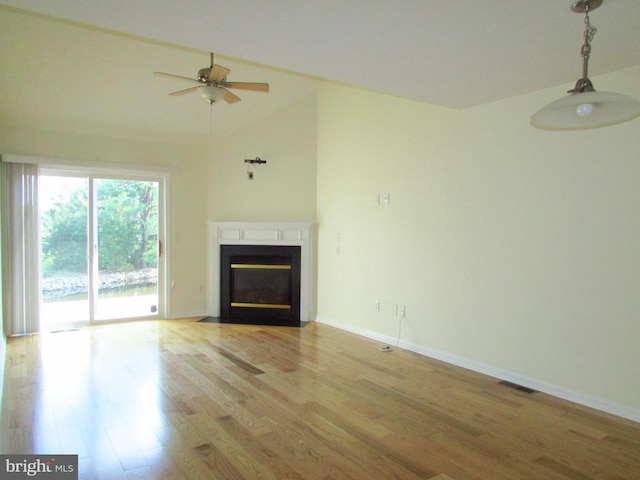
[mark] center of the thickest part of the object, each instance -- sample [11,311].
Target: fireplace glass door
[261,285]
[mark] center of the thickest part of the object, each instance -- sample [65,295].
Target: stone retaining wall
[57,287]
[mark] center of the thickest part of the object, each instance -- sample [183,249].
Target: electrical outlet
[401,310]
[377,305]
[376,199]
[386,198]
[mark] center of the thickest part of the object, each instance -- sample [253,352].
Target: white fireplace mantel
[251,233]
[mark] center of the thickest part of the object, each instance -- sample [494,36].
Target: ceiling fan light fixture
[211,93]
[586,108]
[212,84]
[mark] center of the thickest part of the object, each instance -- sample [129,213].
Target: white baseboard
[492,371]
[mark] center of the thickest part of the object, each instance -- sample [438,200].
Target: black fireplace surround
[260,284]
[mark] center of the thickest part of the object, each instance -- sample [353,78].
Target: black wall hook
[253,161]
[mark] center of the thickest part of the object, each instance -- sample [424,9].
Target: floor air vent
[515,386]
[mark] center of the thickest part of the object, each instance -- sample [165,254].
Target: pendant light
[584,107]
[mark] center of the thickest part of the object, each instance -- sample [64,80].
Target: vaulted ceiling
[86,66]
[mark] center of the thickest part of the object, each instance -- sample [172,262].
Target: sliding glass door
[100,252]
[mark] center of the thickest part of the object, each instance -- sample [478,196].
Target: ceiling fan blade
[230,97]
[256,87]
[178,77]
[185,91]
[218,73]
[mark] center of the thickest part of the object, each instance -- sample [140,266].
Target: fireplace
[260,284]
[260,273]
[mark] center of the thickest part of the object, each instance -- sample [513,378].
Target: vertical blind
[20,257]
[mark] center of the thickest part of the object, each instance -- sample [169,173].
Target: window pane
[63,203]
[127,238]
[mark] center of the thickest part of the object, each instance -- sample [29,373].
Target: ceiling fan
[213,86]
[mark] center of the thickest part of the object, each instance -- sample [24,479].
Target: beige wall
[282,190]
[514,250]
[188,191]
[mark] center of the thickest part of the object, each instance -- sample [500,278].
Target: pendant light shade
[580,111]
[584,107]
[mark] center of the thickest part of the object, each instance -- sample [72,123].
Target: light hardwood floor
[180,399]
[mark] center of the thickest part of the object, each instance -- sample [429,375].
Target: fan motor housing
[203,74]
